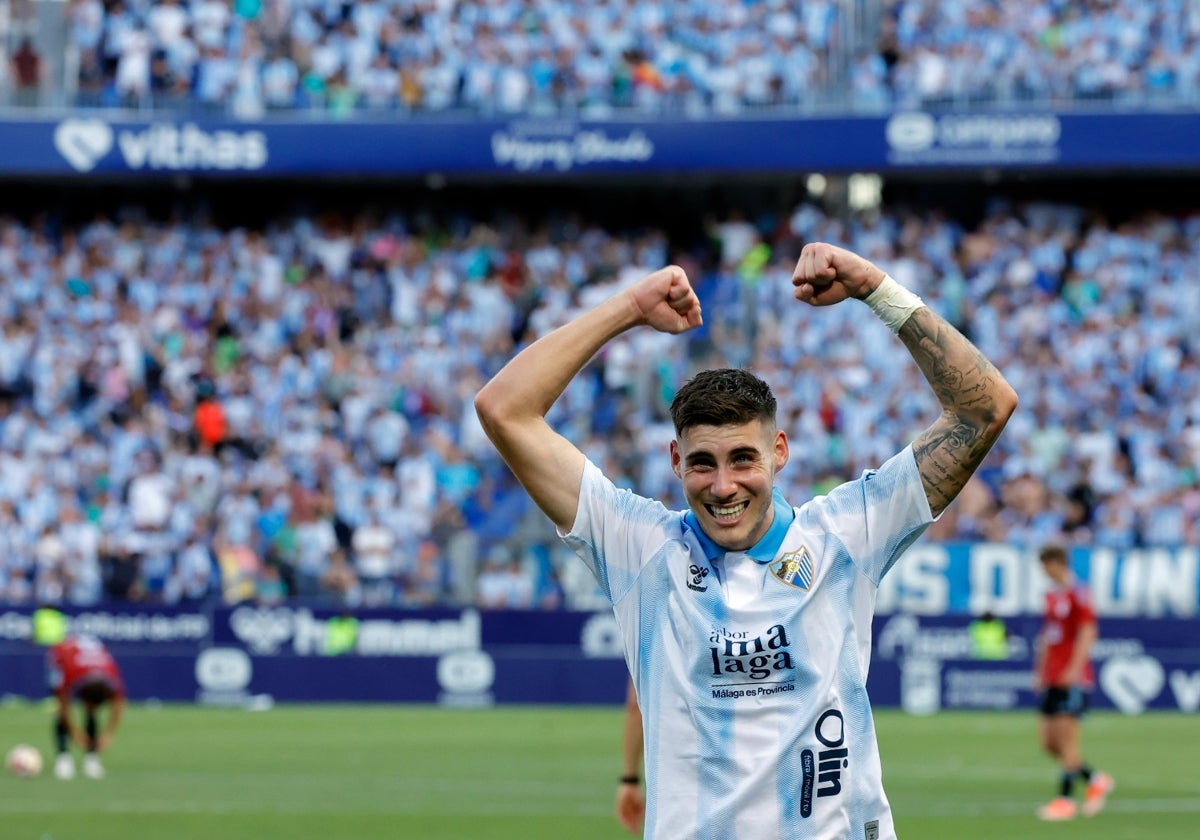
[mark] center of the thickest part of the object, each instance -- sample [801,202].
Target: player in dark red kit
[82,669]
[1063,674]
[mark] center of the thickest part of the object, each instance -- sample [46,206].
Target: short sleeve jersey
[80,660]
[750,667]
[1068,610]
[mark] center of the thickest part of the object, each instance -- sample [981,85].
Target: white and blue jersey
[751,666]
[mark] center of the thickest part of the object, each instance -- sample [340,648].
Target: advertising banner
[924,665]
[1148,655]
[971,578]
[106,143]
[249,654]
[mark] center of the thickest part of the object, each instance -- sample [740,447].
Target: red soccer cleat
[1098,790]
[1057,810]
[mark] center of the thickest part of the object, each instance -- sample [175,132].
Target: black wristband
[631,779]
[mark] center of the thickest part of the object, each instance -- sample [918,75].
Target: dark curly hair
[722,397]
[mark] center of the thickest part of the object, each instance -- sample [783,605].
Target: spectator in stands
[281,79]
[374,548]
[209,417]
[316,543]
[503,583]
[194,577]
[270,589]
[16,556]
[120,565]
[150,492]
[50,586]
[81,540]
[239,568]
[340,584]
[428,585]
[27,73]
[169,89]
[92,82]
[132,78]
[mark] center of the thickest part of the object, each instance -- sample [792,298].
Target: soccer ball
[23,760]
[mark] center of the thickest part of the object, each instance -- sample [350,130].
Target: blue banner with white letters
[101,143]
[972,578]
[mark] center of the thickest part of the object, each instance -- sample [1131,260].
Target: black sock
[1085,772]
[60,735]
[1068,780]
[91,731]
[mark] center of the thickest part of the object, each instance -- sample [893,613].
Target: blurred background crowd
[250,58]
[193,413]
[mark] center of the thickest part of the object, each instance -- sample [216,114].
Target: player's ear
[676,460]
[781,449]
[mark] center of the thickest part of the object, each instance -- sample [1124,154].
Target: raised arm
[976,404]
[512,406]
[976,399]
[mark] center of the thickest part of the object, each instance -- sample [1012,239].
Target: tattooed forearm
[976,403]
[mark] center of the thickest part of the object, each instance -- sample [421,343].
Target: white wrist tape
[893,303]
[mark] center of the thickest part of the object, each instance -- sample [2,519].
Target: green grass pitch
[418,773]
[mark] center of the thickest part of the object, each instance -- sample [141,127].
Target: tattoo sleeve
[976,403]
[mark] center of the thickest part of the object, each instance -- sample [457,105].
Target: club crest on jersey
[794,568]
[696,576]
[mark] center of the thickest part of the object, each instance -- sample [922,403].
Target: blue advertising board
[106,143]
[925,664]
[249,654]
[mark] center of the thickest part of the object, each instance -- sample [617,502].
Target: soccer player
[1063,674]
[81,669]
[631,799]
[746,621]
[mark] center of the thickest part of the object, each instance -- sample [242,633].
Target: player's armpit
[976,404]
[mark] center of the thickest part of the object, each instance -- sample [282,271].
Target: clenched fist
[826,274]
[666,301]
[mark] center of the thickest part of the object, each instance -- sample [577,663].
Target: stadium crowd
[191,414]
[249,58]
[968,51]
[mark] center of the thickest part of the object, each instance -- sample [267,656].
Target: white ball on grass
[24,760]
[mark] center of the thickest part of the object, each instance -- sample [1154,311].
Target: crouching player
[82,670]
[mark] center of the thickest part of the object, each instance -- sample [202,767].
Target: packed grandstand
[193,412]
[197,409]
[251,58]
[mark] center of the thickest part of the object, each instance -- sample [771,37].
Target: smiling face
[728,473]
